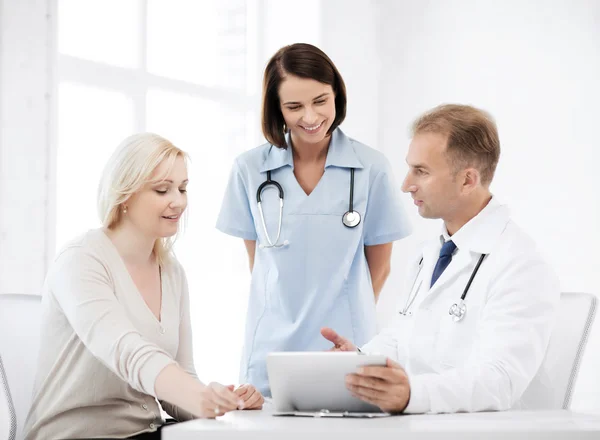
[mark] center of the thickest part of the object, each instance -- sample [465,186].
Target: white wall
[25,77]
[349,37]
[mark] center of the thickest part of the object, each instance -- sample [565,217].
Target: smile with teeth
[171,217]
[313,128]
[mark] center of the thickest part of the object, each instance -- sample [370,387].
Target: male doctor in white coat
[446,355]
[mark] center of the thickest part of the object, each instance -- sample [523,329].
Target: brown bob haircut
[472,137]
[304,61]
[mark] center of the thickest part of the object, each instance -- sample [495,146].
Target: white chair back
[565,351]
[8,418]
[19,343]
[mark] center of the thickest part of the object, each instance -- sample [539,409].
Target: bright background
[77,76]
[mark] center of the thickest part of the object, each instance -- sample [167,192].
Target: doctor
[318,212]
[476,314]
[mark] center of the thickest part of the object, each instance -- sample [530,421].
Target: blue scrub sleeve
[385,219]
[235,217]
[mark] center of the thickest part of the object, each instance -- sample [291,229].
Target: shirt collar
[277,157]
[341,154]
[481,233]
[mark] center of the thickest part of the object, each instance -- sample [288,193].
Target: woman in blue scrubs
[309,269]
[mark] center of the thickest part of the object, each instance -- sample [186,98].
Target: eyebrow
[170,181]
[419,165]
[314,99]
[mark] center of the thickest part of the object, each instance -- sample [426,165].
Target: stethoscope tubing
[349,222]
[411,298]
[267,183]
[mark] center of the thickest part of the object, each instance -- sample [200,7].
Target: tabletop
[516,425]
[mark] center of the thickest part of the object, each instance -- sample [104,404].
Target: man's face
[431,180]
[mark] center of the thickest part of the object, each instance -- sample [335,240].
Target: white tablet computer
[314,383]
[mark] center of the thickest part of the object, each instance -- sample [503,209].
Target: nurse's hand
[252,398]
[386,387]
[339,343]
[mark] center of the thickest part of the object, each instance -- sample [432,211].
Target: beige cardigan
[102,348]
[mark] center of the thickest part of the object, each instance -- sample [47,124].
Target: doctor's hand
[386,387]
[339,343]
[252,398]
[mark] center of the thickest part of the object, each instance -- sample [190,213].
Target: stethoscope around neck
[350,219]
[458,310]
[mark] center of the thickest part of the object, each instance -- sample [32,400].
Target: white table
[508,425]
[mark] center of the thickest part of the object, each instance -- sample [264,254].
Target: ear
[471,180]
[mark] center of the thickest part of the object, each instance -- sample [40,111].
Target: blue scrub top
[321,278]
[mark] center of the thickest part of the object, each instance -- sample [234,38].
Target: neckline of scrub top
[481,233]
[340,154]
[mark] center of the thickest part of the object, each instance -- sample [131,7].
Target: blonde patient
[116,336]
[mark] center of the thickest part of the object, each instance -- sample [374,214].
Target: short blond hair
[130,168]
[472,136]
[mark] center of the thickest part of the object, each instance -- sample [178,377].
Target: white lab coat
[488,359]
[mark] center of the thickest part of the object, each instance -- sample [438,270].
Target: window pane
[213,135]
[91,123]
[202,42]
[106,31]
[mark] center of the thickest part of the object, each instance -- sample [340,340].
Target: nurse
[319,233]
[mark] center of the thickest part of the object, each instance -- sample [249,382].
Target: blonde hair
[130,168]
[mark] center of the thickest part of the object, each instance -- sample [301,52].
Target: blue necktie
[442,263]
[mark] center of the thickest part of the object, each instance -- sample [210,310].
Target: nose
[310,116]
[179,201]
[407,185]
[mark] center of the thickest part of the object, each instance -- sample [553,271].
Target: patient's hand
[339,343]
[252,398]
[386,387]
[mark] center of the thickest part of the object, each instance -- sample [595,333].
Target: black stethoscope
[350,219]
[457,310]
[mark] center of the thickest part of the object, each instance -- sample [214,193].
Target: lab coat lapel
[431,253]
[415,276]
[482,239]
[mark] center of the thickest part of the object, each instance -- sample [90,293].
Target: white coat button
[162,330]
[145,407]
[152,426]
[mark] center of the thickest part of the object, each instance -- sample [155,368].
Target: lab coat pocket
[455,338]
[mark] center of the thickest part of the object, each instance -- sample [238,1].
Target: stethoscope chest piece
[351,219]
[458,311]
